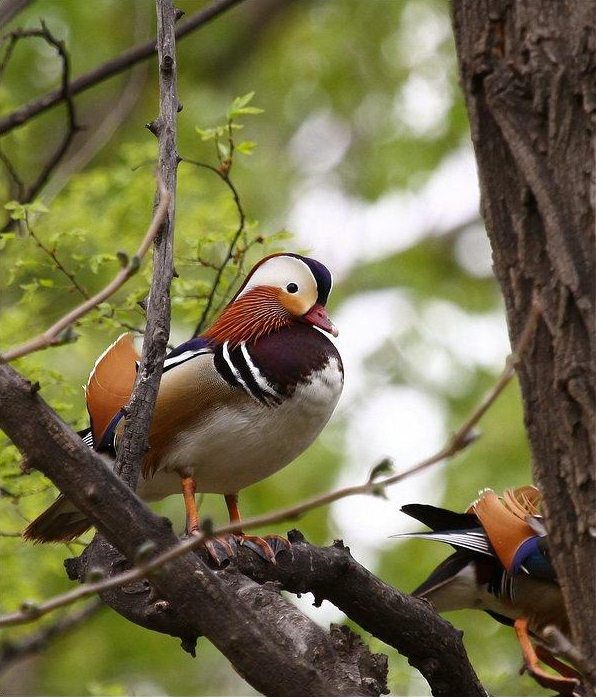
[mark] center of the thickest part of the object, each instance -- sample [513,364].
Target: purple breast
[290,356]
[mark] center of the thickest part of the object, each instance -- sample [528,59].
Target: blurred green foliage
[363,68]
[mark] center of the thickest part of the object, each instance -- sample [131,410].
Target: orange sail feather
[110,383]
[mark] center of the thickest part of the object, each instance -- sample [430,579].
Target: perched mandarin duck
[501,566]
[234,405]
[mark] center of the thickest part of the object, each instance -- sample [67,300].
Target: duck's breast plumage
[233,417]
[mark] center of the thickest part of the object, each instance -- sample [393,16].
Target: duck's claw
[221,549]
[278,543]
[267,548]
[570,687]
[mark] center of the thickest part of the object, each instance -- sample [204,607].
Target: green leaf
[246,147]
[206,133]
[239,107]
[18,210]
[5,237]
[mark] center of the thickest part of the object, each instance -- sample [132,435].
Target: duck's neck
[251,316]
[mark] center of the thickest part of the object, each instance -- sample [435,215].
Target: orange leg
[234,513]
[262,547]
[565,685]
[218,548]
[189,489]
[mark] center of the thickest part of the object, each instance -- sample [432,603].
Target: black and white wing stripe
[87,437]
[473,540]
[238,368]
[180,358]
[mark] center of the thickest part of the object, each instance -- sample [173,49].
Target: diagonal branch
[55,335]
[209,606]
[112,67]
[28,193]
[13,651]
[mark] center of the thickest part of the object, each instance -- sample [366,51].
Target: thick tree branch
[408,624]
[112,67]
[460,439]
[209,606]
[464,435]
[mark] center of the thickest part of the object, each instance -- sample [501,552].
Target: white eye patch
[281,271]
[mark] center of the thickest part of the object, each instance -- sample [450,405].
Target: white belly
[239,444]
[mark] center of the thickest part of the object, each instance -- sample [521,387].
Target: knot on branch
[167,64]
[155,127]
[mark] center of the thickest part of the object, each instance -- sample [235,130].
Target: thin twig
[111,121]
[54,257]
[72,125]
[223,174]
[112,67]
[12,651]
[54,335]
[28,193]
[458,441]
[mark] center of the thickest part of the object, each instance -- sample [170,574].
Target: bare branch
[108,122]
[135,440]
[431,644]
[28,193]
[224,174]
[13,651]
[52,336]
[11,8]
[112,67]
[209,605]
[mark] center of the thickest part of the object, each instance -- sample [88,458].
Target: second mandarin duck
[502,566]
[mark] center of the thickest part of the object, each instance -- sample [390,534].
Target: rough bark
[528,71]
[410,625]
[139,410]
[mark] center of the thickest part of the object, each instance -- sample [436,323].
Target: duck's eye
[292,288]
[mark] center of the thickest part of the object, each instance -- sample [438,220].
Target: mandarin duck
[502,566]
[234,405]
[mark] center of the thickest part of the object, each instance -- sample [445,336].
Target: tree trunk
[528,70]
